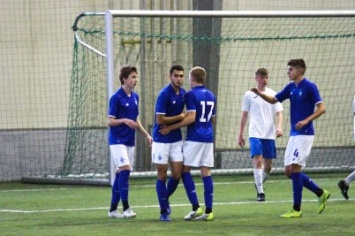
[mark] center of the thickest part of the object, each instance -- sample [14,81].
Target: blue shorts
[264,147]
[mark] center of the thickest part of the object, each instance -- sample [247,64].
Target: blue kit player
[304,97]
[167,149]
[123,122]
[198,145]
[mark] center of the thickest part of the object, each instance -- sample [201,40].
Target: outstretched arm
[267,98]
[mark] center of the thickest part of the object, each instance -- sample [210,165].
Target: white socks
[258,177]
[265,176]
[348,179]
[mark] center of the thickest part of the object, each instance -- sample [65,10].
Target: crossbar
[262,14]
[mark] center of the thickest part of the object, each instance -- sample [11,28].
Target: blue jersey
[123,106]
[202,101]
[169,104]
[303,99]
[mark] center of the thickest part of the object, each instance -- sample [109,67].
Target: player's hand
[255,90]
[300,124]
[279,133]
[164,129]
[241,141]
[149,140]
[130,123]
[183,115]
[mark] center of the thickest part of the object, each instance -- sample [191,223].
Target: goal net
[231,46]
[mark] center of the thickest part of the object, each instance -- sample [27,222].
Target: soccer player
[198,146]
[123,122]
[344,184]
[168,148]
[304,97]
[262,130]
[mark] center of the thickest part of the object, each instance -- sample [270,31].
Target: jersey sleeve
[190,103]
[161,104]
[113,107]
[246,103]
[283,94]
[315,94]
[278,107]
[137,98]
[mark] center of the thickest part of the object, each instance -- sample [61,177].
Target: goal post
[230,45]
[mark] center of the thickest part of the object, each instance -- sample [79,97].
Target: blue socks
[123,186]
[162,195]
[208,194]
[310,185]
[115,199]
[297,184]
[172,185]
[190,189]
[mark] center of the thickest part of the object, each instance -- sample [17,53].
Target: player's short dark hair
[262,72]
[175,67]
[297,63]
[126,71]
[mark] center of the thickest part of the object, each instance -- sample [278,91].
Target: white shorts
[122,155]
[298,149]
[197,154]
[163,153]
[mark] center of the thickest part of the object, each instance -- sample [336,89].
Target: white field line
[157,206]
[131,186]
[145,186]
[33,190]
[152,206]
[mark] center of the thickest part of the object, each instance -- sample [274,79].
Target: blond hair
[199,74]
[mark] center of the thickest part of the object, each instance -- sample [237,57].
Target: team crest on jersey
[160,157]
[174,102]
[122,159]
[300,93]
[127,104]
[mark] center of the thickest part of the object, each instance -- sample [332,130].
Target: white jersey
[261,114]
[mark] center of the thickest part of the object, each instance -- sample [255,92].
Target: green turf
[76,210]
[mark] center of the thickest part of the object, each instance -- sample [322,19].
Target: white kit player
[262,130]
[304,98]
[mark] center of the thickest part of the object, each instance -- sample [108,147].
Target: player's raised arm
[267,98]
